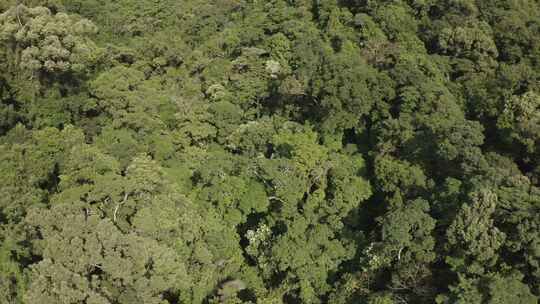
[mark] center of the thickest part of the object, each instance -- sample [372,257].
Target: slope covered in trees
[280,151]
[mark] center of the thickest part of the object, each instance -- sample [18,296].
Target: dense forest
[270,151]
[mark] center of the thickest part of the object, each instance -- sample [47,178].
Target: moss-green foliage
[283,151]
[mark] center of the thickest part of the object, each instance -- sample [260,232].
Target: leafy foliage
[277,151]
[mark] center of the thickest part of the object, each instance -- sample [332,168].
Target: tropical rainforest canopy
[270,151]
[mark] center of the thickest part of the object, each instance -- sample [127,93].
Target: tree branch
[276,199]
[118,206]
[17,14]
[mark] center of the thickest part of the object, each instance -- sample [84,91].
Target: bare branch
[276,199]
[17,14]
[118,206]
[96,266]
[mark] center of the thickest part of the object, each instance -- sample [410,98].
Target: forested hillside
[269,151]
